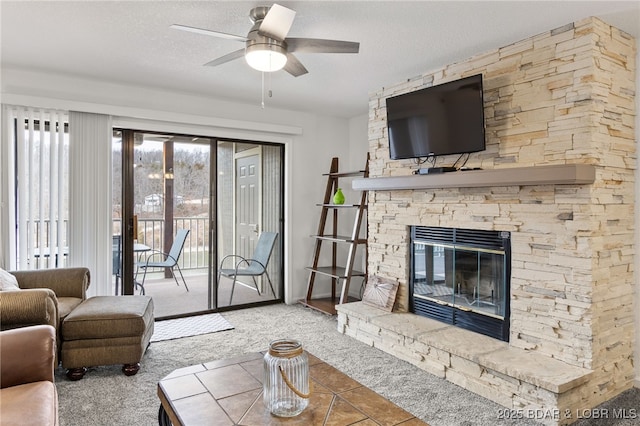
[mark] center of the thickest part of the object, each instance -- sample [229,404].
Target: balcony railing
[43,240]
[195,254]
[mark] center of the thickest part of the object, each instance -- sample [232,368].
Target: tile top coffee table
[229,392]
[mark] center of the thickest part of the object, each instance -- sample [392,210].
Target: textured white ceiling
[131,42]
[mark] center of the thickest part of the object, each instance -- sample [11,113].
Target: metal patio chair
[254,267]
[170,260]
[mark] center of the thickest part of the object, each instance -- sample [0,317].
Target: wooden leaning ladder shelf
[340,275]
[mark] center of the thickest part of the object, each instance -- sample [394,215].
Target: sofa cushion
[66,305]
[30,404]
[104,317]
[8,282]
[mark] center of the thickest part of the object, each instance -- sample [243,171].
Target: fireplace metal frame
[488,325]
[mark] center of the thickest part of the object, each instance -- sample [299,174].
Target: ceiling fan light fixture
[266,57]
[268,48]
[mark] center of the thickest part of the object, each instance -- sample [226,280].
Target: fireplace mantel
[558,174]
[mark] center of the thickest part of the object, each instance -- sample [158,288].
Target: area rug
[189,326]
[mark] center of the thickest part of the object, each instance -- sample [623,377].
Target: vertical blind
[40,162]
[90,198]
[55,195]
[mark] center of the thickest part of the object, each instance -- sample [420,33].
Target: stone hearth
[563,97]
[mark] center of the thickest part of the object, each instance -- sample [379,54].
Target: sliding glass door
[250,188]
[183,203]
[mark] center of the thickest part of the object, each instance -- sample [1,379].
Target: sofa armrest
[28,307]
[65,282]
[27,355]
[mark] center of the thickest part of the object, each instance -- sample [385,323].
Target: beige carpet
[106,397]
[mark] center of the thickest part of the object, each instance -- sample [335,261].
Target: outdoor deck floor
[170,299]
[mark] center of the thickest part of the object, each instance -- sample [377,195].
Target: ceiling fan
[267,47]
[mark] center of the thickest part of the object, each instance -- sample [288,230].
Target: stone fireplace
[558,176]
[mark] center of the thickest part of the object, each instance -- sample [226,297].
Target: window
[40,154]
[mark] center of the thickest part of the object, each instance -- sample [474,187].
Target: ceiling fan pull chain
[262,91]
[270,92]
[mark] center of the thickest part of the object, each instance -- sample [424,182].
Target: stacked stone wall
[566,96]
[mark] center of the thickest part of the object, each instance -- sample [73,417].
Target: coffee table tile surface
[343,413]
[191,412]
[376,406]
[331,378]
[229,392]
[225,382]
[186,371]
[180,387]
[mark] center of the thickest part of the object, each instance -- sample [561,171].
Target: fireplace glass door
[470,279]
[461,277]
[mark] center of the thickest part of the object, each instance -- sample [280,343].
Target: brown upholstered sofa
[46,296]
[28,395]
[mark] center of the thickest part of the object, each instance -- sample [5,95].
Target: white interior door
[247,201]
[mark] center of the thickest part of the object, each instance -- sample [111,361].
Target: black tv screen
[438,120]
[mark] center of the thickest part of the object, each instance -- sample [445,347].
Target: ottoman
[106,330]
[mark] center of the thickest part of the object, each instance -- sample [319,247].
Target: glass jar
[286,378]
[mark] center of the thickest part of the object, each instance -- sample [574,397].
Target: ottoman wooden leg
[76,373]
[130,369]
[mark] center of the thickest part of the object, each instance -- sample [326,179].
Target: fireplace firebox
[462,277]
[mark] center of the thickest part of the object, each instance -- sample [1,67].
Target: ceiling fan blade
[277,23]
[317,45]
[226,58]
[208,32]
[294,66]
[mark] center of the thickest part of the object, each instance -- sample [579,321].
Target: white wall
[310,140]
[358,141]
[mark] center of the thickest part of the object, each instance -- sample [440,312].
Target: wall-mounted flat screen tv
[438,120]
